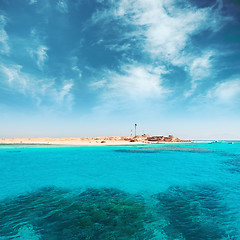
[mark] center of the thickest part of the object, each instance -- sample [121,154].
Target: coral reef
[58,214]
[197,213]
[110,214]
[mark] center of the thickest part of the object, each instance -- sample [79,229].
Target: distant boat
[217,141]
[230,143]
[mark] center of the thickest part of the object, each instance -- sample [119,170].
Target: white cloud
[132,82]
[98,84]
[32,1]
[41,89]
[226,92]
[77,70]
[4,47]
[162,31]
[162,28]
[38,50]
[39,55]
[19,81]
[199,68]
[11,73]
[65,90]
[62,6]
[167,33]
[118,47]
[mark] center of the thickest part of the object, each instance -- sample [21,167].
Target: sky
[74,68]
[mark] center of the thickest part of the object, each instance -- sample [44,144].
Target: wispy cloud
[77,70]
[37,49]
[74,66]
[12,73]
[64,94]
[162,31]
[62,6]
[98,84]
[133,82]
[43,90]
[4,47]
[40,55]
[226,92]
[32,1]
[118,47]
[199,69]
[162,28]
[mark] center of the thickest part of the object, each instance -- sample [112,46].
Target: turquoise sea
[166,191]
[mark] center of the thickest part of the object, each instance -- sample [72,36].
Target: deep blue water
[165,191]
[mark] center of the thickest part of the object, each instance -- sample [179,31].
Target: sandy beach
[93,141]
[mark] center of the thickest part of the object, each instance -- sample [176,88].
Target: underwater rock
[27,233]
[233,163]
[160,149]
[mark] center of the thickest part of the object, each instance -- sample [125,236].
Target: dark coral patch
[58,214]
[199,213]
[110,214]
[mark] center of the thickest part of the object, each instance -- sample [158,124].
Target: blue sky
[95,67]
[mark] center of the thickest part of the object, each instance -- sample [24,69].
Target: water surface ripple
[171,191]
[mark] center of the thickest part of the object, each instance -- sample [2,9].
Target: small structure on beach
[170,138]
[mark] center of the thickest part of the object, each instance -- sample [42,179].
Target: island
[88,141]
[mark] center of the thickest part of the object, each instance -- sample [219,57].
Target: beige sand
[91,141]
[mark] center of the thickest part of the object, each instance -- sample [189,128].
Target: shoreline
[92,141]
[78,144]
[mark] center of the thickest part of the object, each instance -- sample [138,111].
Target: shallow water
[166,191]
